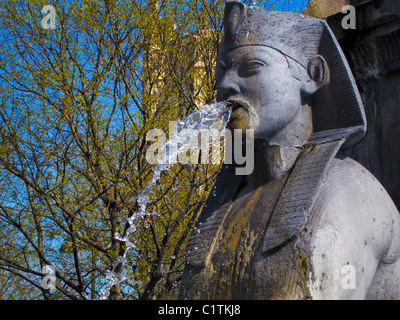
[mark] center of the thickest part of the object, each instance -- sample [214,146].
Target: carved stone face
[262,84]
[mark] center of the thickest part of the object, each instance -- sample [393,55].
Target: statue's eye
[251,68]
[255,65]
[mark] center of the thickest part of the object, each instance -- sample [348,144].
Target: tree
[76,104]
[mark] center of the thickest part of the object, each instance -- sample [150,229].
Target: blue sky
[298,4]
[285,5]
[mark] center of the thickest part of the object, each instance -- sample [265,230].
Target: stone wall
[373,52]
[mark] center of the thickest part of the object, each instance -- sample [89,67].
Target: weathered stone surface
[325,8]
[212,217]
[294,204]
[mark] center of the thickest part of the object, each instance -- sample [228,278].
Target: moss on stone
[303,264]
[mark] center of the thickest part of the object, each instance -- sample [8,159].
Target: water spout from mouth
[210,116]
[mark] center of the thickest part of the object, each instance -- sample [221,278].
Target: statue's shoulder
[345,175]
[351,198]
[346,182]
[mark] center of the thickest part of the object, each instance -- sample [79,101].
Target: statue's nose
[228,87]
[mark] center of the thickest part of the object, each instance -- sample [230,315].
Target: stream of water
[212,116]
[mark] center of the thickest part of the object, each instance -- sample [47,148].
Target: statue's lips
[239,115]
[235,105]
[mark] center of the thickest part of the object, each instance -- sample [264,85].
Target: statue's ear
[318,73]
[234,13]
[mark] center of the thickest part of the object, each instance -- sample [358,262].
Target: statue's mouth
[237,104]
[239,114]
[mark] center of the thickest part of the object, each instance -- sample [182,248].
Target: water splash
[212,116]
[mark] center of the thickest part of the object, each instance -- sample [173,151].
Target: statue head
[274,64]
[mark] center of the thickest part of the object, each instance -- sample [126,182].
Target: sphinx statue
[307,222]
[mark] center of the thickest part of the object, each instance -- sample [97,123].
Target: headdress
[338,105]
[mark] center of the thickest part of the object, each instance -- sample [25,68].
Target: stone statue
[308,222]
